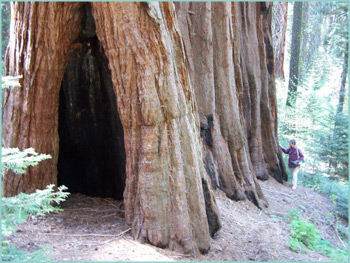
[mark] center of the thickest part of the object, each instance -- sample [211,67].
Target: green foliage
[304,232]
[17,161]
[306,235]
[15,210]
[11,254]
[326,248]
[336,34]
[321,131]
[312,124]
[325,29]
[337,191]
[338,150]
[343,232]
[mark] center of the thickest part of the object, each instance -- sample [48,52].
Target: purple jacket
[293,155]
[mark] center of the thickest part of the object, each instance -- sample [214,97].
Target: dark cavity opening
[92,155]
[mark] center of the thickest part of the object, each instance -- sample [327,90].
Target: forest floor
[94,229]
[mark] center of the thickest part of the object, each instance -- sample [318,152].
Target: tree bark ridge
[158,112]
[40,54]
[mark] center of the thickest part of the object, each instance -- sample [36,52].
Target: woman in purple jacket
[295,158]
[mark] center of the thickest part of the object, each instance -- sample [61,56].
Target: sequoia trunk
[188,112]
[167,196]
[164,196]
[40,42]
[279,26]
[235,92]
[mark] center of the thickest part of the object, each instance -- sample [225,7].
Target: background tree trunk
[338,132]
[344,76]
[306,51]
[295,54]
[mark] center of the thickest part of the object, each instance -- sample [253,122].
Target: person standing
[294,161]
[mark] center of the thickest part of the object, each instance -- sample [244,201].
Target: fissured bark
[230,58]
[164,195]
[280,12]
[167,196]
[40,42]
[197,108]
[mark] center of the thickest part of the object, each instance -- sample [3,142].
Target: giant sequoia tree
[154,103]
[229,51]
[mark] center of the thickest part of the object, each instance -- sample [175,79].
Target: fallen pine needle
[274,191]
[90,235]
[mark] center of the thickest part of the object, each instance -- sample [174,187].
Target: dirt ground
[94,229]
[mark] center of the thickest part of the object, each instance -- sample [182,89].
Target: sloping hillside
[93,229]
[250,234]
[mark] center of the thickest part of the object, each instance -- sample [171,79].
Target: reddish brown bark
[39,53]
[235,92]
[167,85]
[272,155]
[280,12]
[167,196]
[163,197]
[259,102]
[195,20]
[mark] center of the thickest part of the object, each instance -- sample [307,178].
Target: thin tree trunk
[344,76]
[295,54]
[340,106]
[305,47]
